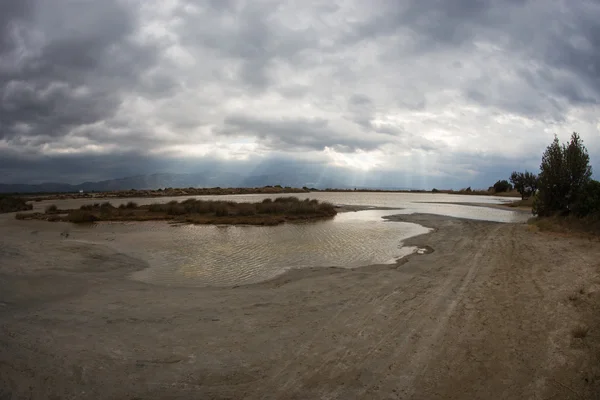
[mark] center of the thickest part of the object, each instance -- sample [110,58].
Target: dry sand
[488,315]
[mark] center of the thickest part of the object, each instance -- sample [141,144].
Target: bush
[328,208]
[589,200]
[176,209]
[131,205]
[12,204]
[81,217]
[289,199]
[157,207]
[221,210]
[270,207]
[51,209]
[246,209]
[502,186]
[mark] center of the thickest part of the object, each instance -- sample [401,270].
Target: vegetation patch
[267,212]
[567,199]
[528,203]
[580,331]
[569,224]
[10,204]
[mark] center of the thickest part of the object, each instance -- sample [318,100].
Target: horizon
[73,188]
[416,95]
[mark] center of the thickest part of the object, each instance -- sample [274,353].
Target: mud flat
[493,311]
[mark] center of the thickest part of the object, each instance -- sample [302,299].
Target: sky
[427,93]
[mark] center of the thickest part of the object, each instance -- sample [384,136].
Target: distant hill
[164,180]
[208,179]
[140,182]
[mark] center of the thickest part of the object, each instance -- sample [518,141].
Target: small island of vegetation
[267,212]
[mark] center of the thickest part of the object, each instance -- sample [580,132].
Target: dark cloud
[298,133]
[249,36]
[438,80]
[70,64]
[555,36]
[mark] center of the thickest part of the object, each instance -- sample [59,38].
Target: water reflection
[199,255]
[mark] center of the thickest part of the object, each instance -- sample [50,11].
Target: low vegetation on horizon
[267,212]
[172,192]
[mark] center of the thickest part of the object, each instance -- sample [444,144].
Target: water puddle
[201,255]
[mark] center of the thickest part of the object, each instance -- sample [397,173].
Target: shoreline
[493,303]
[194,192]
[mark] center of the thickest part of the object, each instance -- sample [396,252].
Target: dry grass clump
[580,331]
[584,226]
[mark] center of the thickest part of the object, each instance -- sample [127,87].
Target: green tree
[526,183]
[502,186]
[578,169]
[589,201]
[531,183]
[564,174]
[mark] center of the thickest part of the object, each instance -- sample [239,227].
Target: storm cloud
[429,92]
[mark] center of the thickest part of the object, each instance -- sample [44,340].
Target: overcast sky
[439,91]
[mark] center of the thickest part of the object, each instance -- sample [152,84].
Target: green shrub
[502,186]
[589,200]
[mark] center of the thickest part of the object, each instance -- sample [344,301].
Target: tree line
[564,185]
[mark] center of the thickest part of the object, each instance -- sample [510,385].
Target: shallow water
[201,255]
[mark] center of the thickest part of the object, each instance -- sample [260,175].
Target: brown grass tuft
[81,217]
[580,331]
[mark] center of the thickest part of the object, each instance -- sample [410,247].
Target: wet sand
[489,313]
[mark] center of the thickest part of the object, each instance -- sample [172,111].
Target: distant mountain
[139,182]
[164,180]
[214,178]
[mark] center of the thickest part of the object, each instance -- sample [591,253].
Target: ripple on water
[201,255]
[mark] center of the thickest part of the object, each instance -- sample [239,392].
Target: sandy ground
[488,315]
